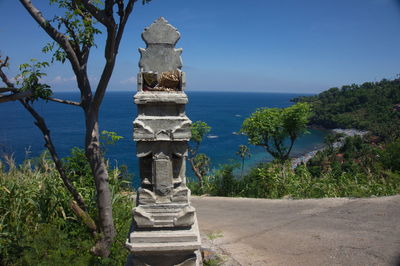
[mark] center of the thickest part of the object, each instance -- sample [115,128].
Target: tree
[202,163]
[73,37]
[331,139]
[31,89]
[243,152]
[199,130]
[270,127]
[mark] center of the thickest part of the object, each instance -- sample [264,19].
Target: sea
[223,111]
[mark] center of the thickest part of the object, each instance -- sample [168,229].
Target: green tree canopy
[270,127]
[243,152]
[199,130]
[199,162]
[372,106]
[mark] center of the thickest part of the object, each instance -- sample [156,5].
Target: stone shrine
[165,230]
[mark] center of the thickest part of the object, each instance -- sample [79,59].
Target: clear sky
[261,45]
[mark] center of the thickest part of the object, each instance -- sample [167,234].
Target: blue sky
[262,45]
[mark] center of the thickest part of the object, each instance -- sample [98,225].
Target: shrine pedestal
[164,229]
[166,247]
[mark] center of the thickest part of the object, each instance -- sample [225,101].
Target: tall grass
[37,225]
[357,169]
[274,180]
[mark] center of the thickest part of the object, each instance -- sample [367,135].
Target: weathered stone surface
[165,230]
[181,194]
[185,217]
[142,217]
[162,173]
[160,97]
[141,239]
[146,196]
[161,128]
[160,32]
[165,247]
[170,259]
[164,214]
[160,55]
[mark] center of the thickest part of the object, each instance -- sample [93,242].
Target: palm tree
[243,152]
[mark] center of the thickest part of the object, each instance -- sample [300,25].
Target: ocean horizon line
[202,91]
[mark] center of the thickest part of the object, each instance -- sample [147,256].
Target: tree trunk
[196,172]
[241,174]
[100,174]
[86,219]
[292,139]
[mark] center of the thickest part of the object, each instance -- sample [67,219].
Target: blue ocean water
[223,111]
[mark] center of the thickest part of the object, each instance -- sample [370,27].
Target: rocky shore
[346,132]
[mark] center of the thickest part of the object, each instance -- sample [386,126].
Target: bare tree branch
[111,50]
[123,20]
[75,39]
[15,96]
[20,95]
[121,10]
[103,83]
[41,124]
[7,90]
[97,13]
[4,63]
[90,224]
[64,101]
[4,77]
[57,36]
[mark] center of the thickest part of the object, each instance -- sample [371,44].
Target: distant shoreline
[309,155]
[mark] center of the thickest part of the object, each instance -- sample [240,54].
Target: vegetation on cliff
[372,106]
[270,127]
[363,166]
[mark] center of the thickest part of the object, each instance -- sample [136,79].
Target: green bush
[274,180]
[390,156]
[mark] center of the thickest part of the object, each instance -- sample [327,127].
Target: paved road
[303,232]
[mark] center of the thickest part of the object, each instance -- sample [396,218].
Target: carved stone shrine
[165,230]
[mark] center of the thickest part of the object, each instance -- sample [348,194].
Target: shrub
[274,180]
[390,156]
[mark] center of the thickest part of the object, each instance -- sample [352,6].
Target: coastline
[309,155]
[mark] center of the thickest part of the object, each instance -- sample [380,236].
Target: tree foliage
[199,130]
[202,163]
[29,80]
[270,127]
[243,152]
[372,106]
[199,162]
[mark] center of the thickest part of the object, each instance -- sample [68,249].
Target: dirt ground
[339,231]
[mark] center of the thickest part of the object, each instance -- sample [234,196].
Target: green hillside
[373,106]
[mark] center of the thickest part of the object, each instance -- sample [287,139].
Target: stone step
[160,211]
[163,223]
[173,236]
[165,239]
[164,206]
[157,247]
[163,216]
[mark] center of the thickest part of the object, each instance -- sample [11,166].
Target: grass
[37,225]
